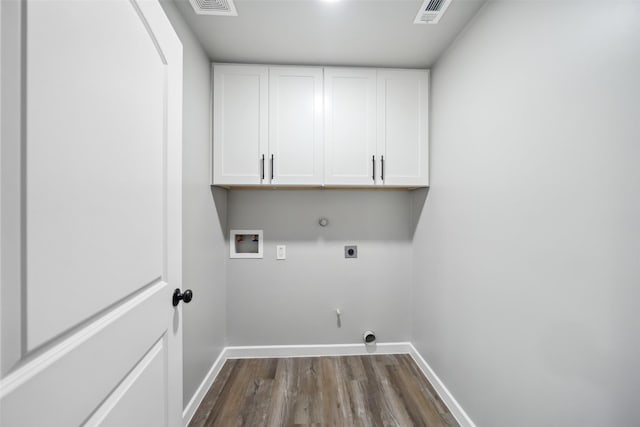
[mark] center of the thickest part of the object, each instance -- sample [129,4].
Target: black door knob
[187,296]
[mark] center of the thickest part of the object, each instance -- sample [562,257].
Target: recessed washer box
[245,244]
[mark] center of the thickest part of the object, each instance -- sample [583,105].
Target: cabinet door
[295,125]
[240,102]
[350,126]
[402,127]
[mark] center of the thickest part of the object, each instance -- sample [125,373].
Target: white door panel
[295,125]
[71,379]
[139,400]
[350,126]
[10,172]
[107,113]
[99,208]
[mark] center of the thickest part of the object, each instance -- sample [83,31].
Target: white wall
[204,219]
[292,301]
[526,251]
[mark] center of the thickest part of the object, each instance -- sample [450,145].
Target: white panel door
[96,197]
[350,126]
[240,120]
[403,117]
[295,125]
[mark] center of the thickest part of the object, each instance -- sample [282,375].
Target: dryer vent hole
[369,337]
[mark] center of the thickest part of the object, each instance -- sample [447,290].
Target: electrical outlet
[351,251]
[281,252]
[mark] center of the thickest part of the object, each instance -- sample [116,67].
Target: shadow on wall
[219,195]
[294,215]
[419,198]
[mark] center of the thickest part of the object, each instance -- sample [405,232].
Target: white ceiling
[318,32]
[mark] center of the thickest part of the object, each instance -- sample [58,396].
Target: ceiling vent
[214,7]
[431,11]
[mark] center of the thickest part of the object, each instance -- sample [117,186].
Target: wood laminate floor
[376,390]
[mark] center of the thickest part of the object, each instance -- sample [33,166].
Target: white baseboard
[204,387]
[245,352]
[454,407]
[316,350]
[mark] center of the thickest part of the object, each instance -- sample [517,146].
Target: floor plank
[372,390]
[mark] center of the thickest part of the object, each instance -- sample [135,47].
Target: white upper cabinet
[312,126]
[240,124]
[402,119]
[350,127]
[295,125]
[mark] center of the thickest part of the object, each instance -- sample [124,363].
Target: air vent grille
[214,7]
[431,11]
